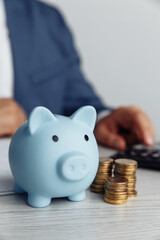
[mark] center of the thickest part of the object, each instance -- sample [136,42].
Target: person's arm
[12,116]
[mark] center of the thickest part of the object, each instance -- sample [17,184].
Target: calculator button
[138,147]
[144,154]
[155,155]
[132,153]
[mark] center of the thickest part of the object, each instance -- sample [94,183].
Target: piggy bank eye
[55,138]
[86,137]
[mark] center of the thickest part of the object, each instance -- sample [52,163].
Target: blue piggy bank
[54,156]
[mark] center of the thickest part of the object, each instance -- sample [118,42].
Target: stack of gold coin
[116,190]
[127,168]
[104,170]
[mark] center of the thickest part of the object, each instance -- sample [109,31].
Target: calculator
[147,157]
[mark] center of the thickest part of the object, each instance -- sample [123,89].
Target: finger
[143,128]
[130,138]
[138,122]
[110,139]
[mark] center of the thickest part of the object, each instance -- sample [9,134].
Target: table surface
[92,219]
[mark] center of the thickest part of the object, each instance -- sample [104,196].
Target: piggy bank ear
[85,115]
[38,117]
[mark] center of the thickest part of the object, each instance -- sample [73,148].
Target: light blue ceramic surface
[54,156]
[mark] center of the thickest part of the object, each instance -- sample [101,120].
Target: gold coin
[102,165]
[97,186]
[98,181]
[102,169]
[116,202]
[116,193]
[105,167]
[116,181]
[96,190]
[125,169]
[128,163]
[131,182]
[132,194]
[102,176]
[109,166]
[104,172]
[108,162]
[129,179]
[122,172]
[108,174]
[131,176]
[131,188]
[105,161]
[131,191]
[116,189]
[125,174]
[115,186]
[131,185]
[115,197]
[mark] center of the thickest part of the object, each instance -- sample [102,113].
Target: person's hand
[11,116]
[125,125]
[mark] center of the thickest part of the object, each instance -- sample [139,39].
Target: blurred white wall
[119,42]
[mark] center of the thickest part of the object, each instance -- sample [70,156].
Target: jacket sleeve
[78,92]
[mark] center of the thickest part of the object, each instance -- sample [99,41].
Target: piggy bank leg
[38,201]
[17,188]
[78,197]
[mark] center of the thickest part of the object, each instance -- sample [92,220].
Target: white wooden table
[93,219]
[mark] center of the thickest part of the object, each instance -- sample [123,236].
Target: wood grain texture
[92,219]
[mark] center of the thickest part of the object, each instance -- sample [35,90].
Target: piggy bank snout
[74,167]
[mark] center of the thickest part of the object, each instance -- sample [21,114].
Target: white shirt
[6,63]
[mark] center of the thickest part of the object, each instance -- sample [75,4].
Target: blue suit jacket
[46,64]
